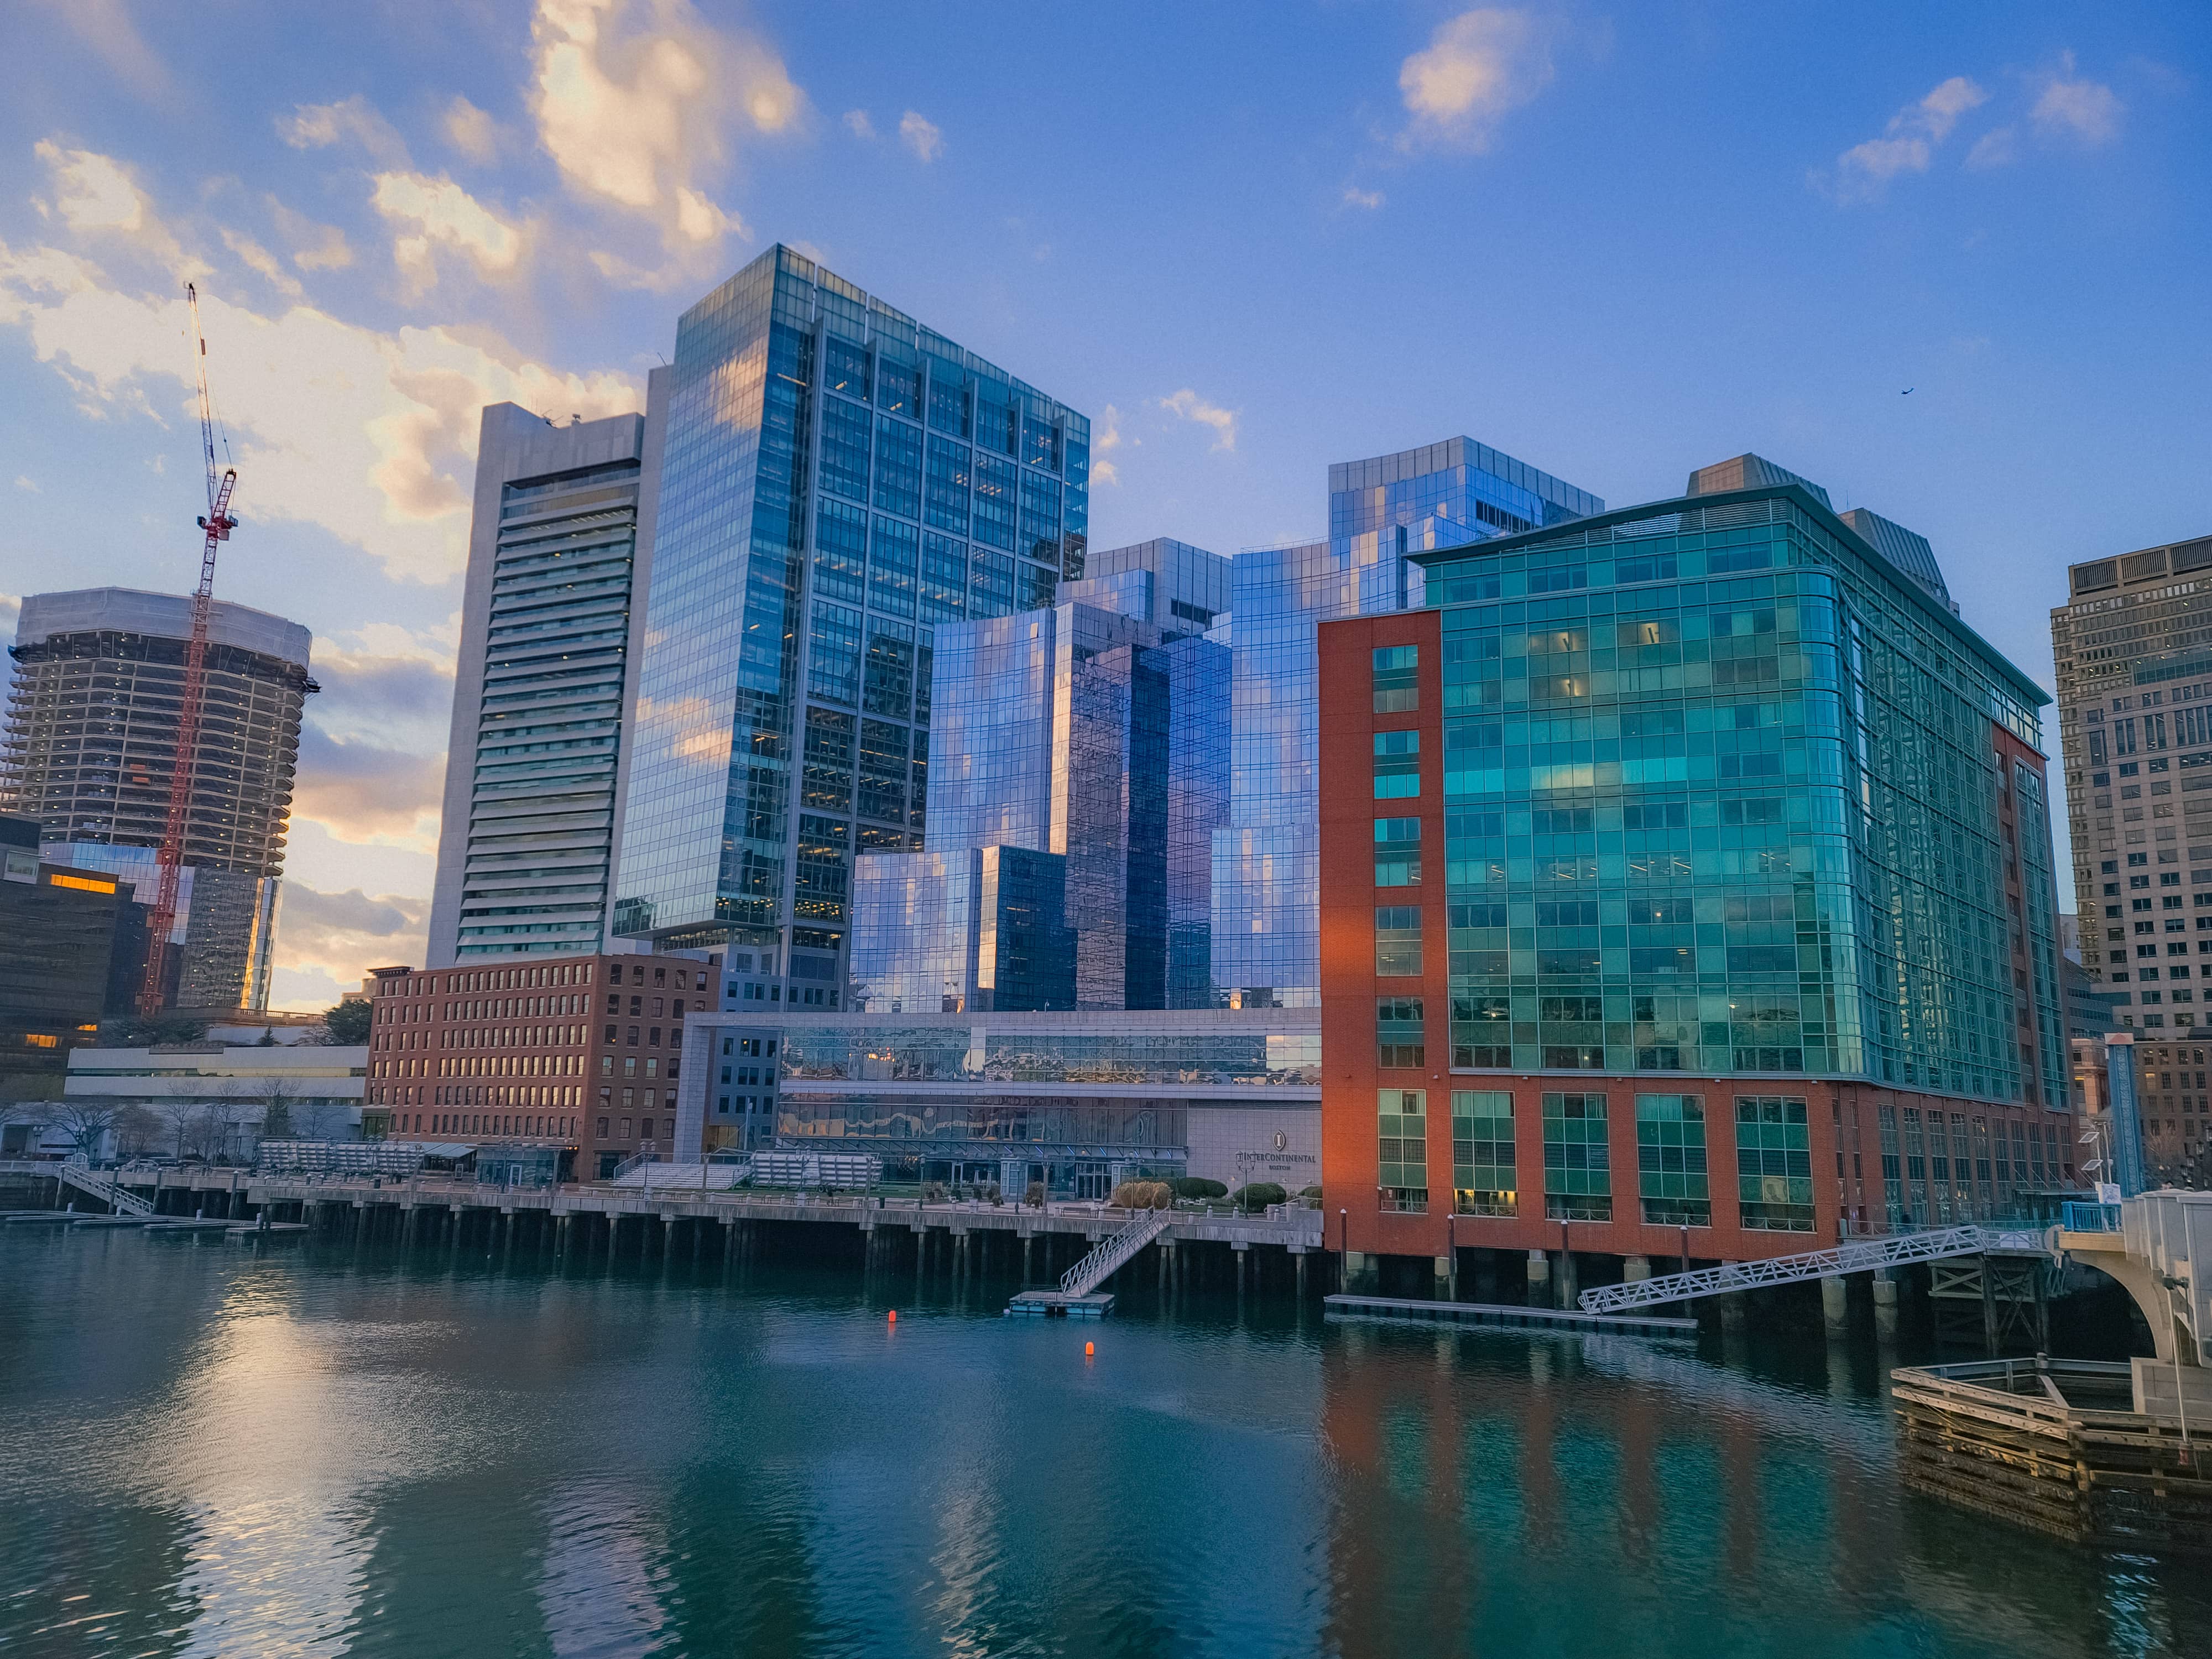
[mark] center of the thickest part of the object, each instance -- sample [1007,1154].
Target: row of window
[1773,1149]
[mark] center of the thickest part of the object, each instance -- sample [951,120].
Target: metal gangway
[1096,1268]
[103,1187]
[1853,1256]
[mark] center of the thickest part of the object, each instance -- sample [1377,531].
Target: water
[300,1451]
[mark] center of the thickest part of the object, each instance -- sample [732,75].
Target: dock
[1058,1305]
[1503,1316]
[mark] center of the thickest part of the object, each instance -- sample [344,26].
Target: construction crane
[217,526]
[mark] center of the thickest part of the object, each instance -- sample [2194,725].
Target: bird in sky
[1908,391]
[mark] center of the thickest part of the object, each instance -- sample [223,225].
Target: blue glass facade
[1727,793]
[1086,737]
[1266,876]
[837,481]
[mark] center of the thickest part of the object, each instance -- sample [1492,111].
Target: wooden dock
[1503,1316]
[1058,1305]
[2055,1446]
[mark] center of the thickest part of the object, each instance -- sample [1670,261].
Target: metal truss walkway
[1853,1256]
[1096,1268]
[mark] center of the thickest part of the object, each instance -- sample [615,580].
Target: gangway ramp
[1854,1256]
[1079,1295]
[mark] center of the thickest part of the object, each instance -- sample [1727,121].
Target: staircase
[1853,1256]
[103,1187]
[1096,1268]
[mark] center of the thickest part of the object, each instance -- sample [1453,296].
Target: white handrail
[1109,1254]
[1854,1256]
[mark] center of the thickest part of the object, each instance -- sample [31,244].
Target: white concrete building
[214,1099]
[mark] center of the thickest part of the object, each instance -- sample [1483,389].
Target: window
[1483,1177]
[1398,1032]
[1397,690]
[1670,1161]
[1402,1116]
[1397,765]
[1577,1163]
[1397,938]
[1774,1164]
[1397,852]
[603,1128]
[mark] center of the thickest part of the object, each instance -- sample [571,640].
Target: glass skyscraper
[1265,882]
[1087,735]
[837,482]
[533,764]
[1701,856]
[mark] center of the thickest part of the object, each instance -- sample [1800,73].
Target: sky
[1948,262]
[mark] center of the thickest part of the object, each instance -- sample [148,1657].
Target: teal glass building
[835,482]
[1727,791]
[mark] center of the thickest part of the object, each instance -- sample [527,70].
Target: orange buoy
[894,1320]
[1086,1351]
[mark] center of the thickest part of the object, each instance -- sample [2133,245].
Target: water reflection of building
[1078,1100]
[1688,884]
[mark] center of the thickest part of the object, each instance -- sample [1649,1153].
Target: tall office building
[1095,742]
[548,617]
[1266,880]
[1687,880]
[2133,647]
[836,483]
[91,747]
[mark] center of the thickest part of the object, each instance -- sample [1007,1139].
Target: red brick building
[1435,1137]
[581,1052]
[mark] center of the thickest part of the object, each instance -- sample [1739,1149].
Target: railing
[2089,1217]
[1854,1256]
[103,1187]
[1096,1268]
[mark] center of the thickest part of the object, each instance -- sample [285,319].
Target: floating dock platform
[1058,1305]
[1503,1316]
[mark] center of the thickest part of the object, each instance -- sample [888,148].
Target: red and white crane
[217,524]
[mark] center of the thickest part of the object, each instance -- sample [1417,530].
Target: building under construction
[90,748]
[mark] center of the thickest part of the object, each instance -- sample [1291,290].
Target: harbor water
[305,1448]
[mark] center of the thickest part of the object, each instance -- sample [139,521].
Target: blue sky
[1617,242]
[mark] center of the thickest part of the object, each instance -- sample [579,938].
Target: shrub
[1035,1197]
[934,1193]
[1198,1186]
[1310,1196]
[1259,1195]
[1144,1195]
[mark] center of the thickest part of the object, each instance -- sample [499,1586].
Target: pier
[1056,1244]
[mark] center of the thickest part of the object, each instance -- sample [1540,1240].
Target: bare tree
[319,1120]
[181,1117]
[34,1113]
[86,1122]
[137,1129]
[276,1098]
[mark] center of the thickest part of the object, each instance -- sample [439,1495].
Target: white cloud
[2088,111]
[923,137]
[1909,143]
[105,26]
[634,112]
[1190,406]
[1105,439]
[96,195]
[1998,147]
[28,484]
[314,247]
[326,941]
[355,119]
[369,435]
[261,261]
[1355,197]
[1477,68]
[434,214]
[857,124]
[471,132]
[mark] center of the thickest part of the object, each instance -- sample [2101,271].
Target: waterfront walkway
[959,1236]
